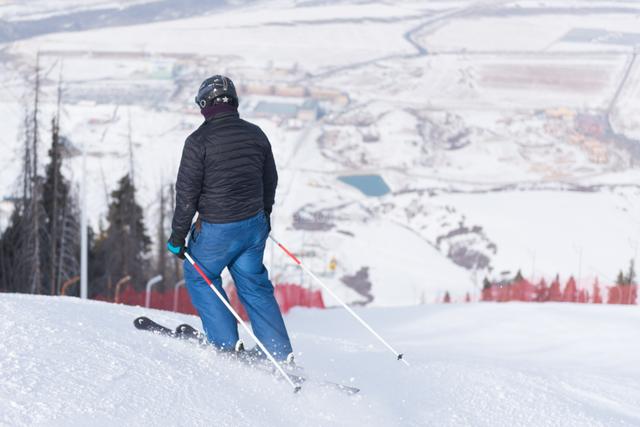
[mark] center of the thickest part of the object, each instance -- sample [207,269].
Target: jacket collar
[219,111]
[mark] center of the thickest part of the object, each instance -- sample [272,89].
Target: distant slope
[52,20]
[68,362]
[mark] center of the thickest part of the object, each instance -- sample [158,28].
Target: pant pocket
[194,234]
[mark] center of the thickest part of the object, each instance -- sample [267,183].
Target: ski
[188,332]
[146,324]
[184,331]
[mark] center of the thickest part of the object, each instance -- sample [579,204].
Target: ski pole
[296,388]
[399,356]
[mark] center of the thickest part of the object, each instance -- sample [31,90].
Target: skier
[228,175]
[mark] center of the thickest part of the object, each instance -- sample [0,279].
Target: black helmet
[215,90]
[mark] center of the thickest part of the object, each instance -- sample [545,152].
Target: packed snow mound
[68,362]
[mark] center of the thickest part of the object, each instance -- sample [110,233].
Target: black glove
[175,247]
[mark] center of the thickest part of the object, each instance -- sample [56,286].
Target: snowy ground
[73,363]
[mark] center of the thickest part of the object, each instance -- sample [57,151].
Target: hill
[69,362]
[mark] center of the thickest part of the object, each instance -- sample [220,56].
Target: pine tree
[542,291]
[597,296]
[23,241]
[583,296]
[62,219]
[487,290]
[13,272]
[621,280]
[630,279]
[519,277]
[570,293]
[122,248]
[447,298]
[555,294]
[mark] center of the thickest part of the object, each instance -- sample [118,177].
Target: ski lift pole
[399,356]
[296,388]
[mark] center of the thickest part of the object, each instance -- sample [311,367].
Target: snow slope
[68,362]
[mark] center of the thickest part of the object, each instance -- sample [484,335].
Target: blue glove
[177,250]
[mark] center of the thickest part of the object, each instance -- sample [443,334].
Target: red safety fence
[288,295]
[523,290]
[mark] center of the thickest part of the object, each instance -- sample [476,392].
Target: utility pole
[35,193]
[83,228]
[130,149]
[162,259]
[55,215]
[578,250]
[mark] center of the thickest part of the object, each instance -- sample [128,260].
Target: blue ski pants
[239,246]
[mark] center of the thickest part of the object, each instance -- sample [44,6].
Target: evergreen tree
[62,219]
[447,298]
[519,277]
[13,272]
[22,244]
[570,293]
[555,294]
[542,291]
[583,296]
[122,248]
[630,279]
[487,290]
[621,280]
[597,297]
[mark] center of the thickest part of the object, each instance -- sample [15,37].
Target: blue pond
[370,185]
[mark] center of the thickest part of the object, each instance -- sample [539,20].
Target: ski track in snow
[73,363]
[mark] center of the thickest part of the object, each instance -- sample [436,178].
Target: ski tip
[140,322]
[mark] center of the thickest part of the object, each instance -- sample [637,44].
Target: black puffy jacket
[227,173]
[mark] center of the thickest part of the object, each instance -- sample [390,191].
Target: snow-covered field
[477,115]
[66,362]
